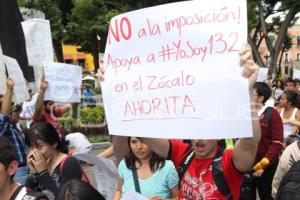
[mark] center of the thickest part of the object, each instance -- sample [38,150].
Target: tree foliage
[261,28]
[89,23]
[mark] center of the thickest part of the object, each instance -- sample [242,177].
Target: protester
[46,111]
[197,181]
[48,152]
[28,107]
[78,190]
[88,95]
[290,85]
[157,178]
[297,84]
[9,189]
[8,129]
[278,88]
[289,156]
[289,113]
[271,142]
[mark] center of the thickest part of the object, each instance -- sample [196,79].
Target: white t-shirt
[80,142]
[28,108]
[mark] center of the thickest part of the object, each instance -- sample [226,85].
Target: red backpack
[84,178]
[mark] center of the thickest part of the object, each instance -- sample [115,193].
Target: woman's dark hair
[7,152]
[156,162]
[291,97]
[263,90]
[78,190]
[48,134]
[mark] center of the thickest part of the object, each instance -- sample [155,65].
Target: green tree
[260,28]
[89,23]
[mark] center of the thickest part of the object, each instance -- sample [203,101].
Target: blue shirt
[14,135]
[159,184]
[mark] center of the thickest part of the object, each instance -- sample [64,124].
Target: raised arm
[40,101]
[244,151]
[6,102]
[159,146]
[66,108]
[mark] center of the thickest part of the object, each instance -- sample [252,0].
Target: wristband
[42,172]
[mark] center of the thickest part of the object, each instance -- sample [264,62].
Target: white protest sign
[262,74]
[105,171]
[173,71]
[14,71]
[38,41]
[64,82]
[133,195]
[296,74]
[2,74]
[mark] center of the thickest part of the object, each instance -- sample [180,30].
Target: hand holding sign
[43,86]
[250,69]
[10,83]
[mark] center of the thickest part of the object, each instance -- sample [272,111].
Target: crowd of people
[36,160]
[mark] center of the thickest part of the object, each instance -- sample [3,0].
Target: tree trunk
[12,37]
[95,52]
[282,33]
[58,50]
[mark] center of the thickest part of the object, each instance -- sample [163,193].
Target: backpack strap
[85,177]
[136,180]
[186,161]
[62,164]
[218,175]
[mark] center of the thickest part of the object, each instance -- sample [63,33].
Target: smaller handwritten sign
[15,72]
[64,82]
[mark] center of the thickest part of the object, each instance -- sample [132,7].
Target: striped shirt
[159,184]
[14,135]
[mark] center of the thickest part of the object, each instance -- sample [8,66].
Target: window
[286,70]
[298,57]
[286,57]
[298,40]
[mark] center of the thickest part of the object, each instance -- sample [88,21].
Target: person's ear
[12,168]
[261,99]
